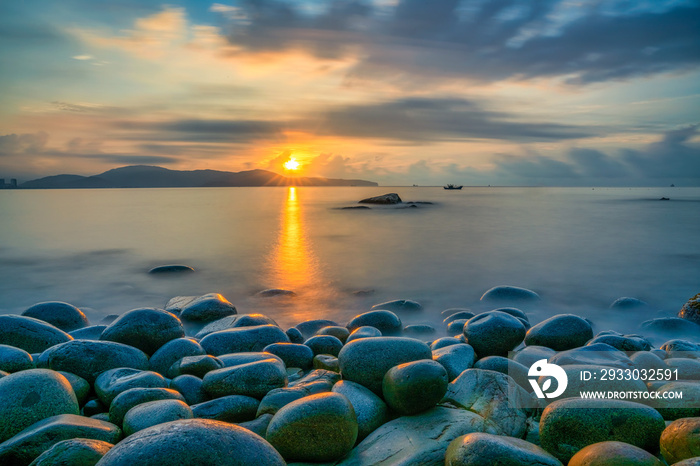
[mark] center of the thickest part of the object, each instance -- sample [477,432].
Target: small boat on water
[452,186]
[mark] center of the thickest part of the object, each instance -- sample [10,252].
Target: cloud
[202,130]
[28,143]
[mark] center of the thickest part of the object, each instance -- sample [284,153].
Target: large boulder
[681,439]
[30,334]
[560,332]
[613,453]
[204,308]
[414,387]
[494,333]
[32,395]
[193,442]
[243,339]
[316,428]
[254,379]
[61,315]
[391,198]
[481,449]
[73,452]
[366,360]
[146,329]
[370,410]
[153,413]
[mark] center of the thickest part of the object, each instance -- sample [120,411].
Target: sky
[401,92]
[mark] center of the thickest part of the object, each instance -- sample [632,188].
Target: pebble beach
[196,383]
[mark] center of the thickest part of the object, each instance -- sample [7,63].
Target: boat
[452,186]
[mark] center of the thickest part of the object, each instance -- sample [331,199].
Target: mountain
[145,176]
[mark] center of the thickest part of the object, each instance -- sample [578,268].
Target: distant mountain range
[145,176]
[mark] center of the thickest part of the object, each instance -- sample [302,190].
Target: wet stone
[385,321]
[309,328]
[293,355]
[494,333]
[370,410]
[455,359]
[204,308]
[190,387]
[243,339]
[398,305]
[613,453]
[111,383]
[254,379]
[341,333]
[173,351]
[681,440]
[153,413]
[481,449]
[509,294]
[73,452]
[61,315]
[324,344]
[366,331]
[93,332]
[235,321]
[30,334]
[414,387]
[195,365]
[232,408]
[15,359]
[126,400]
[326,362]
[146,329]
[560,332]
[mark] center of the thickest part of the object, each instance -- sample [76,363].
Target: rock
[688,406]
[341,333]
[420,439]
[494,396]
[681,349]
[456,327]
[494,333]
[295,335]
[146,329]
[153,413]
[691,310]
[88,359]
[514,294]
[318,381]
[628,304]
[455,359]
[24,447]
[688,369]
[15,359]
[418,330]
[670,326]
[326,362]
[61,315]
[253,379]
[236,359]
[414,387]
[30,334]
[370,410]
[235,321]
[531,354]
[171,269]
[318,376]
[622,342]
[93,407]
[681,440]
[80,386]
[111,383]
[366,360]
[481,449]
[275,293]
[243,339]
[647,360]
[324,344]
[398,305]
[613,453]
[386,322]
[232,408]
[455,314]
[599,354]
[29,396]
[444,342]
[292,354]
[126,400]
[355,207]
[391,198]
[517,313]
[190,387]
[560,332]
[515,370]
[192,442]
[309,328]
[173,351]
[258,425]
[204,308]
[195,365]
[569,425]
[366,331]
[689,462]
[93,332]
[316,428]
[73,452]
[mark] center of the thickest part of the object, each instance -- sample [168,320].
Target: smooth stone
[507,293]
[317,381]
[235,321]
[457,314]
[104,417]
[678,348]
[688,369]
[193,442]
[494,396]
[232,408]
[494,333]
[341,333]
[294,374]
[93,332]
[531,354]
[292,354]
[481,449]
[80,386]
[236,359]
[171,269]
[243,339]
[126,400]
[73,452]
[456,327]
[628,304]
[30,334]
[195,365]
[88,359]
[295,335]
[398,305]
[560,332]
[370,410]
[444,342]
[27,445]
[318,375]
[309,328]
[254,379]
[326,362]
[421,439]
[689,406]
[61,315]
[152,413]
[173,351]
[681,440]
[258,425]
[93,407]
[613,454]
[691,310]
[275,293]
[517,313]
[569,425]
[418,330]
[623,342]
[316,428]
[204,308]
[324,344]
[647,360]
[366,331]
[366,360]
[390,198]
[111,383]
[15,359]
[600,354]
[414,387]
[670,326]
[455,359]
[146,329]
[190,387]
[515,370]
[29,396]
[386,322]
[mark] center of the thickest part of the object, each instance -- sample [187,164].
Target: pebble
[622,342]
[204,308]
[514,369]
[444,341]
[195,365]
[171,269]
[600,354]
[294,335]
[324,344]
[236,359]
[560,332]
[190,387]
[366,331]
[61,315]
[671,409]
[385,321]
[456,327]
[253,379]
[341,333]
[30,334]
[482,449]
[146,329]
[173,351]
[494,333]
[153,413]
[414,387]
[80,386]
[242,339]
[292,354]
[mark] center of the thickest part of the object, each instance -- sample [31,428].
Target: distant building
[11,185]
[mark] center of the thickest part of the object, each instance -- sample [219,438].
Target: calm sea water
[580,249]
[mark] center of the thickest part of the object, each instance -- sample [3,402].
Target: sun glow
[291,164]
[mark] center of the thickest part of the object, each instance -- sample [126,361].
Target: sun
[291,164]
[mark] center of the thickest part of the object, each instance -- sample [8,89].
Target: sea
[578,248]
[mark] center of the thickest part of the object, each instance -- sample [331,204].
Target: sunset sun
[291,164]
